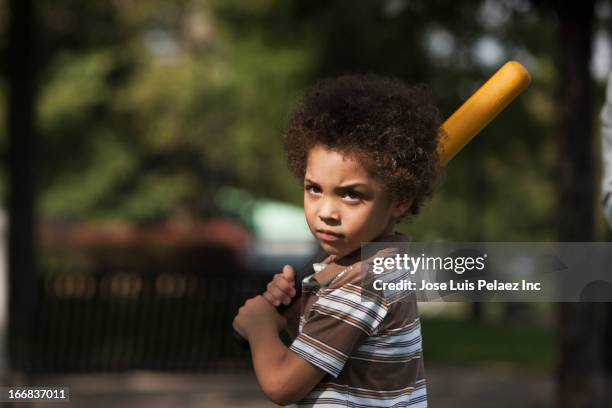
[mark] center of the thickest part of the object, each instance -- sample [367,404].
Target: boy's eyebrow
[352,185]
[344,186]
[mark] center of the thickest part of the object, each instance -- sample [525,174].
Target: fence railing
[127,319]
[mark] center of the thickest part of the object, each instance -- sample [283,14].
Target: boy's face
[343,204]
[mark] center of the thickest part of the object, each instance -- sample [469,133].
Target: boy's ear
[400,208]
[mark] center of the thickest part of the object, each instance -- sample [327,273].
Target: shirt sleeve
[606,149]
[337,323]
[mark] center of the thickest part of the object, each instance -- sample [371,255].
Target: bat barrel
[501,89]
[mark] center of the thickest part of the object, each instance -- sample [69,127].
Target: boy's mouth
[327,235]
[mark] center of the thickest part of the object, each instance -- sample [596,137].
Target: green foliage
[83,191]
[465,343]
[148,107]
[176,109]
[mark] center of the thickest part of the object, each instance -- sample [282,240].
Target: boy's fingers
[289,273]
[275,295]
[270,298]
[279,287]
[282,284]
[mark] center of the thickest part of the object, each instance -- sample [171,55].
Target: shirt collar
[332,267]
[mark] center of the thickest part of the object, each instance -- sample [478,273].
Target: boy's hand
[281,288]
[257,315]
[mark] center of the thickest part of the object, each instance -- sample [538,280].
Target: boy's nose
[328,212]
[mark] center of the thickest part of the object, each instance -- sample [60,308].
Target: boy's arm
[284,376]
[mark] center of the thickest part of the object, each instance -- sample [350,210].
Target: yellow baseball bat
[476,113]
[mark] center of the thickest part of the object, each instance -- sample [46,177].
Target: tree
[22,80]
[580,324]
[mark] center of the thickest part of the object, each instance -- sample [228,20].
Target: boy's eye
[352,195]
[312,189]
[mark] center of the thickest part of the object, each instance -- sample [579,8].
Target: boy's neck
[389,230]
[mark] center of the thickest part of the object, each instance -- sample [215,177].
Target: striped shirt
[369,344]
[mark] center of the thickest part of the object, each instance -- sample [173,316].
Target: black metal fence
[160,319]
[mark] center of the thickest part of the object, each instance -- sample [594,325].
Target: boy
[366,150]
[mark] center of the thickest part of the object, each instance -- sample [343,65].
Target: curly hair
[391,128]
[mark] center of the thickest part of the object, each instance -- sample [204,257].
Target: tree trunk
[22,74]
[580,347]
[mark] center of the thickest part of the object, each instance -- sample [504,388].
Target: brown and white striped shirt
[368,343]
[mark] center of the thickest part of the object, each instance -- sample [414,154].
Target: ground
[448,387]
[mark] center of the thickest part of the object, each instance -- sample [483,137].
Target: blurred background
[145,194]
